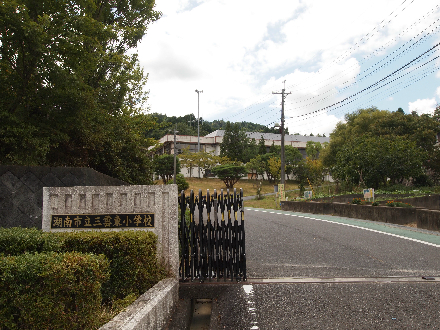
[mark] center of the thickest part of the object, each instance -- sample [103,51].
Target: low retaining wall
[152,310]
[426,219]
[431,202]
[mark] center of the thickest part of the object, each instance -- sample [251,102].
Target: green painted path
[427,237]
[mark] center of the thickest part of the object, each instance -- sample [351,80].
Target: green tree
[256,166]
[188,159]
[229,174]
[374,145]
[67,81]
[234,143]
[266,165]
[275,149]
[293,158]
[313,149]
[274,164]
[251,151]
[164,167]
[261,146]
[206,160]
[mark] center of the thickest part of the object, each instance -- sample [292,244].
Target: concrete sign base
[115,208]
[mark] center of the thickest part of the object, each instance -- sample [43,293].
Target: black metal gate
[215,249]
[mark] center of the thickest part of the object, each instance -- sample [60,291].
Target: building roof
[273,136]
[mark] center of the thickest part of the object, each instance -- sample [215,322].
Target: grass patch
[268,202]
[249,186]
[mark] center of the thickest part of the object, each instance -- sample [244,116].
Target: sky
[331,57]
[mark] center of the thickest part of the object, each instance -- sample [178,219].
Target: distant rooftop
[273,136]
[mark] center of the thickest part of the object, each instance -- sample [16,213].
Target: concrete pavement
[323,272]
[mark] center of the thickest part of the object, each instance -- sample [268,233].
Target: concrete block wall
[21,190]
[426,219]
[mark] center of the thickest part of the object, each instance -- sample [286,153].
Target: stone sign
[115,208]
[100,221]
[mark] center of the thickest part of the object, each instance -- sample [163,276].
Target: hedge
[51,290]
[131,254]
[16,241]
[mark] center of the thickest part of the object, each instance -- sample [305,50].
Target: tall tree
[67,80]
[374,145]
[313,149]
[234,143]
[164,167]
[261,146]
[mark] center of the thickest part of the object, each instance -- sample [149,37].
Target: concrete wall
[426,219]
[151,311]
[21,190]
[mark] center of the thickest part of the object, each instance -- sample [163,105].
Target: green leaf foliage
[164,167]
[374,145]
[132,254]
[182,184]
[16,241]
[70,94]
[51,291]
[229,174]
[235,143]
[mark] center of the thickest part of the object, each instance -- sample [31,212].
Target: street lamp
[198,121]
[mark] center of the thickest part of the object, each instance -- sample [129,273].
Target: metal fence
[214,249]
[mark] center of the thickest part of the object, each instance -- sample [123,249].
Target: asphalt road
[324,272]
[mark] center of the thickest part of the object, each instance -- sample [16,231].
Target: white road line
[250,299]
[359,227]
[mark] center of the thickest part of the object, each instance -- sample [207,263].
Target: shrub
[133,261]
[132,254]
[358,201]
[51,291]
[16,241]
[397,204]
[181,182]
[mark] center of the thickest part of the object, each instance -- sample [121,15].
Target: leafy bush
[51,291]
[16,241]
[182,184]
[132,254]
[358,201]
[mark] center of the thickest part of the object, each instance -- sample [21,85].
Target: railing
[215,249]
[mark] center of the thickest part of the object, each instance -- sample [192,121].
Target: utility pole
[198,122]
[175,132]
[283,96]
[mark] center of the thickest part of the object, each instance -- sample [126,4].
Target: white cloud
[239,51]
[425,106]
[438,92]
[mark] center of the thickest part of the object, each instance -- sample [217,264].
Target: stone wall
[426,219]
[21,190]
[96,203]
